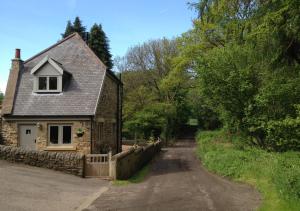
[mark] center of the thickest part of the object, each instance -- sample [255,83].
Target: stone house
[62,99]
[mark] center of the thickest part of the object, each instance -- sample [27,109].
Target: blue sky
[33,25]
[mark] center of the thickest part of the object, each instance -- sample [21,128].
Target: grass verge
[136,178]
[275,175]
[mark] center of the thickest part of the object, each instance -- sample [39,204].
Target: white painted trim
[43,61]
[60,135]
[48,90]
[56,66]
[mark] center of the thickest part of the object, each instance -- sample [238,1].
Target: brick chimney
[11,87]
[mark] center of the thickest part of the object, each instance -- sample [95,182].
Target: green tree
[155,89]
[245,56]
[1,97]
[75,27]
[78,27]
[69,30]
[99,43]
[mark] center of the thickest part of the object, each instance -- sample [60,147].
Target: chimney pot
[18,54]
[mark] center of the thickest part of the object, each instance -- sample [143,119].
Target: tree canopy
[99,43]
[237,68]
[96,39]
[1,97]
[76,26]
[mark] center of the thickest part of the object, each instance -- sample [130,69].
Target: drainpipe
[91,134]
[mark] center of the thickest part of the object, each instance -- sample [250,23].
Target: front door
[28,136]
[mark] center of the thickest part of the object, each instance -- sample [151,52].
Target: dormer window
[52,83]
[47,83]
[42,83]
[49,76]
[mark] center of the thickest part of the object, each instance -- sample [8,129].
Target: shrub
[276,175]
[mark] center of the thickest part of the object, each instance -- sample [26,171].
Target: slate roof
[81,96]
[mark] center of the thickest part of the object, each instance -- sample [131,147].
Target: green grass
[275,175]
[136,178]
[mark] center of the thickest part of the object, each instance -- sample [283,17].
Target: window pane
[67,133]
[54,134]
[42,83]
[53,83]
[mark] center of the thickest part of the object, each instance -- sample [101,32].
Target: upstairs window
[49,76]
[47,84]
[52,83]
[42,83]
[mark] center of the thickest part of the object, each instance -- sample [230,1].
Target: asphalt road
[27,188]
[178,182]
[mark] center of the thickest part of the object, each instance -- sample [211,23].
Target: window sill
[60,148]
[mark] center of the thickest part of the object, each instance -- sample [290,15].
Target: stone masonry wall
[106,114]
[1,141]
[127,163]
[80,144]
[72,163]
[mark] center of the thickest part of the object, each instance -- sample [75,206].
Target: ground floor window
[60,134]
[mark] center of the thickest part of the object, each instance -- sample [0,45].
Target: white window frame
[58,81]
[60,134]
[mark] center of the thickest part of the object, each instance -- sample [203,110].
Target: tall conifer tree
[98,42]
[69,29]
[78,27]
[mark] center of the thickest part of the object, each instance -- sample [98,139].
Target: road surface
[178,182]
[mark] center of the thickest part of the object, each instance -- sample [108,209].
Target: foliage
[276,175]
[1,97]
[76,26]
[245,58]
[155,90]
[69,30]
[136,178]
[98,42]
[96,39]
[284,134]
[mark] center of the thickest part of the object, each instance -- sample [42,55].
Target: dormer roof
[56,65]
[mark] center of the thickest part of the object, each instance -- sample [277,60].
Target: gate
[97,165]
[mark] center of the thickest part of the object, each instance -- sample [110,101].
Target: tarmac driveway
[178,182]
[30,188]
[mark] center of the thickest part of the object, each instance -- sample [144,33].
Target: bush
[285,134]
[276,175]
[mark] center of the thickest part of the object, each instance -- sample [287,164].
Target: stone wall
[10,133]
[106,115]
[79,144]
[72,163]
[126,164]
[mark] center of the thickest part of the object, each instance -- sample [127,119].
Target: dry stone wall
[72,163]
